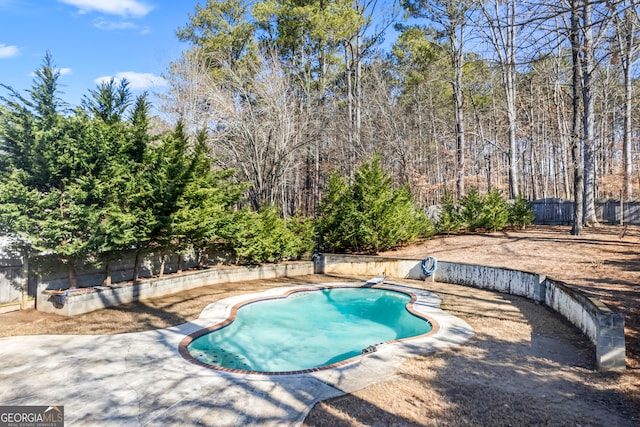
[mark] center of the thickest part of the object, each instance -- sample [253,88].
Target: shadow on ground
[525,366]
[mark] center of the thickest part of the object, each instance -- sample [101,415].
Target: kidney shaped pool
[306,330]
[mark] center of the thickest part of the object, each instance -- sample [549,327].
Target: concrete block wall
[121,293]
[514,282]
[610,349]
[604,328]
[52,274]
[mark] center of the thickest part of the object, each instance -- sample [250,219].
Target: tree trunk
[458,102]
[434,131]
[136,267]
[535,185]
[163,262]
[627,48]
[350,120]
[560,125]
[628,93]
[588,66]
[71,274]
[199,257]
[107,274]
[316,178]
[576,141]
[510,95]
[501,21]
[358,94]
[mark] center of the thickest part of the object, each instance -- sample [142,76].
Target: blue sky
[91,40]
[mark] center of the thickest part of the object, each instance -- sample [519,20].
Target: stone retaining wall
[602,326]
[85,300]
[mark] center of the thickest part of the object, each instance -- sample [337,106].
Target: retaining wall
[85,300]
[604,328]
[52,274]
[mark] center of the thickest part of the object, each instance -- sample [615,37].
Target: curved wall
[604,328]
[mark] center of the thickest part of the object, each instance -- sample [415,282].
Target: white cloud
[103,24]
[8,51]
[133,8]
[137,81]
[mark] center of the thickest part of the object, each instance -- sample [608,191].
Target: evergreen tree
[265,236]
[221,28]
[16,124]
[191,202]
[168,180]
[140,123]
[125,193]
[58,217]
[369,215]
[470,208]
[495,212]
[109,101]
[450,218]
[48,196]
[75,184]
[521,213]
[488,212]
[205,205]
[337,223]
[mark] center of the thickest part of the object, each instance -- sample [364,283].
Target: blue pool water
[308,329]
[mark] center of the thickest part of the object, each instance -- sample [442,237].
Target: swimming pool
[306,330]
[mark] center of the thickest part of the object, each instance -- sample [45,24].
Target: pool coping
[184,344]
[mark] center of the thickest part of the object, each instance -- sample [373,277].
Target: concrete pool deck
[141,379]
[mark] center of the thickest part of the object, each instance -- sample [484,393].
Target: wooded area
[523,97]
[475,102]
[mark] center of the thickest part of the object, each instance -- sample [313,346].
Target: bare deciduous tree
[627,22]
[500,17]
[256,122]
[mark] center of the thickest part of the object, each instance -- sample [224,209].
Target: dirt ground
[604,263]
[524,366]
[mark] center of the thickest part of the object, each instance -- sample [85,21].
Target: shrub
[450,219]
[303,241]
[369,215]
[337,222]
[403,222]
[520,213]
[266,237]
[490,212]
[470,209]
[494,214]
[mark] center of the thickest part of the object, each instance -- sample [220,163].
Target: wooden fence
[560,212]
[13,283]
